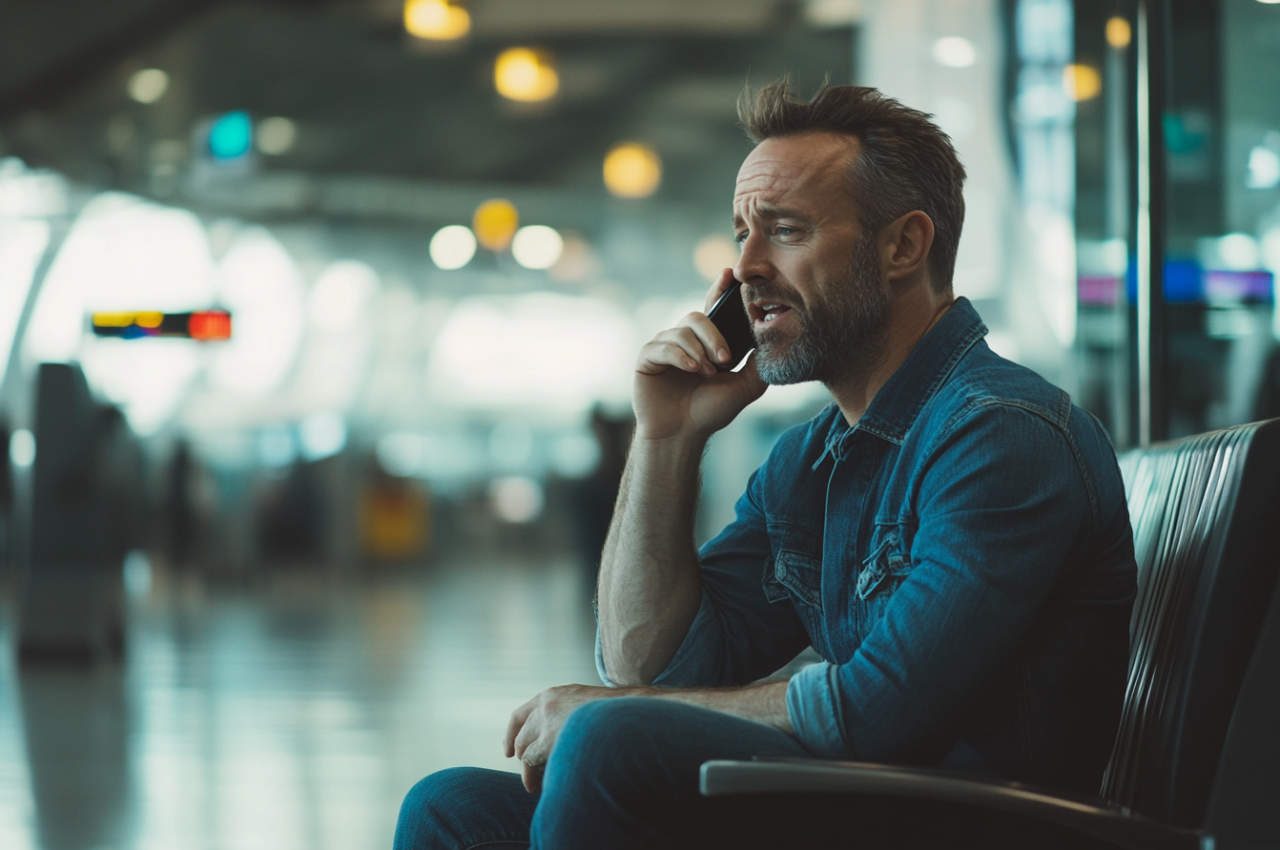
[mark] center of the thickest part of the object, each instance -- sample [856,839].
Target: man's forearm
[649,590]
[763,702]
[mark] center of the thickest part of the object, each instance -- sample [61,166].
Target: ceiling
[376,107]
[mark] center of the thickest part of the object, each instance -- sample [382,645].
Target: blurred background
[317,322]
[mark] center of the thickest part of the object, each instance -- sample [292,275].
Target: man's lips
[766,312]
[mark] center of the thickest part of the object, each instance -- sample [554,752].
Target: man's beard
[837,338]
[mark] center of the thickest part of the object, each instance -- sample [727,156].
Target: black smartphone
[729,315]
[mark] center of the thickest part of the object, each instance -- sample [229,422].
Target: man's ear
[905,245]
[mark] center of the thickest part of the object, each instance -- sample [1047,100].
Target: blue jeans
[623,774]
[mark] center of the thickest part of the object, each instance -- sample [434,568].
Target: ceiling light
[437,20]
[1119,34]
[954,52]
[1081,82]
[148,85]
[632,170]
[537,246]
[495,223]
[276,135]
[526,75]
[452,247]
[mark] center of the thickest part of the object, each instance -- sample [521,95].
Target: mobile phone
[729,315]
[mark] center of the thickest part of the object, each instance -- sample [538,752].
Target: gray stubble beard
[837,339]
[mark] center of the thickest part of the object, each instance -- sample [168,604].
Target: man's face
[817,300]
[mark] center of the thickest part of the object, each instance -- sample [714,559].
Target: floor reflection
[293,715]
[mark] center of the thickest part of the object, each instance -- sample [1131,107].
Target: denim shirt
[961,559]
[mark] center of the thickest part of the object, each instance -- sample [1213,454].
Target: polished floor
[289,713]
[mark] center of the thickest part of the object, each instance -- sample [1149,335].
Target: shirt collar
[895,407]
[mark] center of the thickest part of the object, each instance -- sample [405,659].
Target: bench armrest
[1093,817]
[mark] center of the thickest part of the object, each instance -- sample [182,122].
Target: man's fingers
[718,287]
[528,734]
[531,775]
[658,356]
[708,336]
[514,724]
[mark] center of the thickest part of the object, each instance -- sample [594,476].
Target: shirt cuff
[813,705]
[696,662]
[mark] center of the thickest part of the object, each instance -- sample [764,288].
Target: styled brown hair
[905,161]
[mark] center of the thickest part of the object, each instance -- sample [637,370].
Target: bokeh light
[436,20]
[22,448]
[321,435]
[1119,33]
[525,74]
[954,52]
[452,247]
[231,135]
[258,282]
[124,254]
[713,254]
[276,135]
[632,170]
[340,295]
[148,85]
[516,499]
[495,222]
[1081,82]
[537,246]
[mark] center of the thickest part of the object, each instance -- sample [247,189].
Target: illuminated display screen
[205,325]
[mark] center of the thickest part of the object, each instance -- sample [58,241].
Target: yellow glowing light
[1118,32]
[438,20]
[113,320]
[632,170]
[145,319]
[495,222]
[526,75]
[1081,82]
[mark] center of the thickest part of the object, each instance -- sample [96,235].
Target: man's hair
[905,162]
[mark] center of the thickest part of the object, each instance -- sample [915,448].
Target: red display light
[210,325]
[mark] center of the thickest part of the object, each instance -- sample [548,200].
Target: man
[950,535]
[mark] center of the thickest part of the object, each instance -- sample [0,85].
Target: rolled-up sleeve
[813,706]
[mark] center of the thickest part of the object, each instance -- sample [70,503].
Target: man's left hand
[534,726]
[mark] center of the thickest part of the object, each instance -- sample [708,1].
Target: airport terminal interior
[318,321]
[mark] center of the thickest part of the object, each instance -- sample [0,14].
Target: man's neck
[908,324]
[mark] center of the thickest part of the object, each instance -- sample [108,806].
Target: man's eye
[740,237]
[784,231]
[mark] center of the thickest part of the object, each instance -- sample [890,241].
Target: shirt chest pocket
[886,567]
[794,571]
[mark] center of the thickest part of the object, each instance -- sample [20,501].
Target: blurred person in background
[950,535]
[598,492]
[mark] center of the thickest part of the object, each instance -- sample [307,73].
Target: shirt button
[782,570]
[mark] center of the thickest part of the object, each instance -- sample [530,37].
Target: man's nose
[753,261]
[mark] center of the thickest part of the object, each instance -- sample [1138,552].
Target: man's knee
[617,740]
[450,808]
[616,724]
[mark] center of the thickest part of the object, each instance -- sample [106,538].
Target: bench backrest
[1206,521]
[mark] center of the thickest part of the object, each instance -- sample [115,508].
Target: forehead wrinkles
[793,170]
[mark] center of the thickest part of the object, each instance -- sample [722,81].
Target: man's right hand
[678,392]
